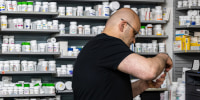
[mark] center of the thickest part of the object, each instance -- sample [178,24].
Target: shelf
[75,35]
[152,36]
[189,8]
[83,17]
[28,95]
[156,89]
[30,53]
[154,22]
[27,13]
[188,27]
[48,31]
[188,51]
[27,72]
[64,76]
[105,18]
[80,0]
[141,1]
[67,57]
[65,91]
[147,54]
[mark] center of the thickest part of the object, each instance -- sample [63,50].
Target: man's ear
[122,26]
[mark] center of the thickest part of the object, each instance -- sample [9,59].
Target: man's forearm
[160,60]
[138,87]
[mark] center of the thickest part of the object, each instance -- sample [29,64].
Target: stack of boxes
[184,40]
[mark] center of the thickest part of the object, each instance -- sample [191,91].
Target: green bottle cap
[44,84]
[24,3]
[19,3]
[52,84]
[26,85]
[19,85]
[30,3]
[37,84]
[142,27]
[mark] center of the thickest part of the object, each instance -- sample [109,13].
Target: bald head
[125,13]
[123,24]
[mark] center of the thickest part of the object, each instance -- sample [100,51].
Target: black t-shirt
[95,75]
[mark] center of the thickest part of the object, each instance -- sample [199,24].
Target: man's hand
[169,64]
[158,83]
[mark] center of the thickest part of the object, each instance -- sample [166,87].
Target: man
[102,69]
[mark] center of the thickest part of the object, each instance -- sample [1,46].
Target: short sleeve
[113,51]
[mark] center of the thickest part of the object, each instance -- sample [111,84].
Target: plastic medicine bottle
[37,7]
[52,65]
[30,6]
[45,7]
[4,22]
[73,28]
[158,13]
[106,9]
[180,93]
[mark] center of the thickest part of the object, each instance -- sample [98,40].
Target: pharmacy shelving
[28,13]
[83,17]
[66,57]
[63,76]
[26,72]
[156,89]
[64,91]
[152,36]
[141,1]
[74,35]
[188,51]
[28,95]
[154,22]
[78,1]
[47,31]
[74,57]
[30,53]
[105,18]
[188,27]
[188,8]
[93,35]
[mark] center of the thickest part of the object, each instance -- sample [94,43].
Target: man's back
[95,72]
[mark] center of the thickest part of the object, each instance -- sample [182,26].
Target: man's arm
[145,68]
[140,86]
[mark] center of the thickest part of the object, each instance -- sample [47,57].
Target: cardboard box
[182,32]
[63,48]
[196,33]
[178,46]
[194,47]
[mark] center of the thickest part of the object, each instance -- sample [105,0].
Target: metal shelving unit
[63,76]
[142,1]
[66,57]
[183,57]
[82,17]
[188,51]
[188,27]
[156,89]
[28,95]
[49,31]
[74,35]
[65,91]
[152,36]
[27,72]
[27,13]
[30,53]
[188,8]
[154,22]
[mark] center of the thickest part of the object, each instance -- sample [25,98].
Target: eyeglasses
[130,26]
